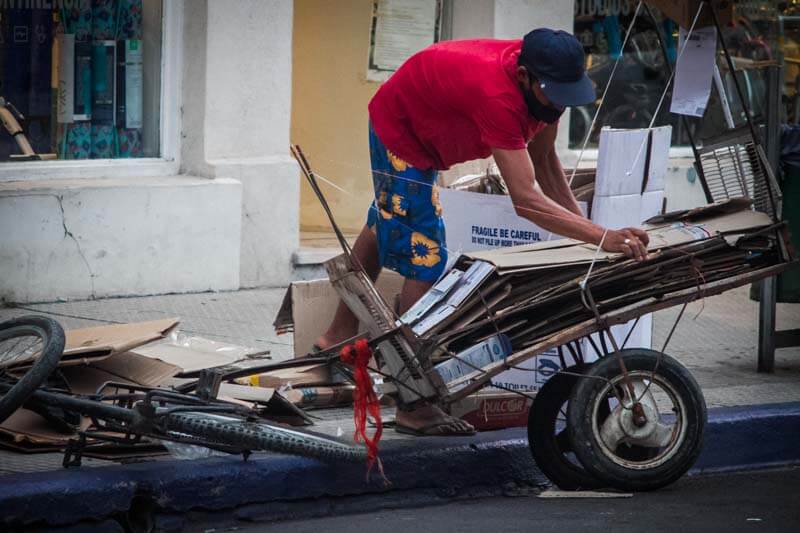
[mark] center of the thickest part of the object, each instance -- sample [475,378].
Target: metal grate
[732,166]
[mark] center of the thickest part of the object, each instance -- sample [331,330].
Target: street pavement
[755,501]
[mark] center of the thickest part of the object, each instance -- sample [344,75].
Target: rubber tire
[543,440]
[53,340]
[262,436]
[588,450]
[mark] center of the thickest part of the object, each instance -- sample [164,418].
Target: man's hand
[630,241]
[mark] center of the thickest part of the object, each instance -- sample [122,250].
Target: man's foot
[430,420]
[323,343]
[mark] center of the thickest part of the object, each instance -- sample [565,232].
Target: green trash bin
[789,281]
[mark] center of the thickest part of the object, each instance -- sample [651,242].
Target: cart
[634,419]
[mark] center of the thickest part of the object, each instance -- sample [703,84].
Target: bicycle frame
[133,414]
[12,125]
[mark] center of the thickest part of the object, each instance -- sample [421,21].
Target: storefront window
[762,32]
[81,79]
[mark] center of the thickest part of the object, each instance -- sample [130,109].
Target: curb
[267,485]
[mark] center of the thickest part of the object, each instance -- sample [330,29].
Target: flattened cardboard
[661,236]
[115,338]
[311,375]
[191,354]
[25,428]
[85,345]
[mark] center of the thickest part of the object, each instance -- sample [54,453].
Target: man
[457,101]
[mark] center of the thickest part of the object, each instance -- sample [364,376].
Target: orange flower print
[424,251]
[397,205]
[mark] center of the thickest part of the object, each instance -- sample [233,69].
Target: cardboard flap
[722,207]
[116,338]
[284,322]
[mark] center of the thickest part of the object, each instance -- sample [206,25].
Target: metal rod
[768,288]
[729,61]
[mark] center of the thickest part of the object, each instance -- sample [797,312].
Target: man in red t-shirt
[457,101]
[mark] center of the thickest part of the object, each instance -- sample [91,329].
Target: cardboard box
[533,373]
[493,409]
[308,308]
[630,210]
[622,159]
[683,11]
[476,221]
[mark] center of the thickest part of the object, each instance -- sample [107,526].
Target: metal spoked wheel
[36,342]
[669,425]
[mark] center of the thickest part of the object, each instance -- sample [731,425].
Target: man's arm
[530,202]
[548,170]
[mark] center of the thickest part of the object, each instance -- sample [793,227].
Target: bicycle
[11,119]
[126,413]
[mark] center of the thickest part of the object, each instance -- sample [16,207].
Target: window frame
[168,163]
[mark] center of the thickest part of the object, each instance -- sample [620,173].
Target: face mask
[538,110]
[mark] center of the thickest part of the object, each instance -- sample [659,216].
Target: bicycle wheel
[241,434]
[37,339]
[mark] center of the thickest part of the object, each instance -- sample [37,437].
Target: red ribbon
[365,401]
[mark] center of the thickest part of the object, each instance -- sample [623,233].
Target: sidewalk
[719,347]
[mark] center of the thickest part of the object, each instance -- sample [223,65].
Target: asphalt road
[757,501]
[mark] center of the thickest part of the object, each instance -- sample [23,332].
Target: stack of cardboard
[532,294]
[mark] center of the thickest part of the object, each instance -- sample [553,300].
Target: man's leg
[345,323]
[427,416]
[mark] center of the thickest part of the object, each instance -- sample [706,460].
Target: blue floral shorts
[406,216]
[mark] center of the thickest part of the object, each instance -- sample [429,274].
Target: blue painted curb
[736,439]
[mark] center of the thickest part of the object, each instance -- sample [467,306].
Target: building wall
[330,93]
[219,213]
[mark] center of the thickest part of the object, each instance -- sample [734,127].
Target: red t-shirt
[452,102]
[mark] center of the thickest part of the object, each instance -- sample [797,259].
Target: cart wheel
[675,413]
[547,434]
[548,440]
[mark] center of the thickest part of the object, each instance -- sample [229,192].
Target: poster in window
[400,28]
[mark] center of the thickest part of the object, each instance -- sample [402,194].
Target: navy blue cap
[557,60]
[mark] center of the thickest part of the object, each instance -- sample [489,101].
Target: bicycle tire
[253,436]
[52,336]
